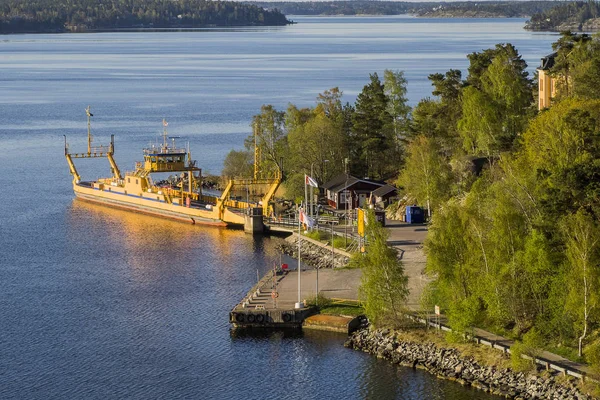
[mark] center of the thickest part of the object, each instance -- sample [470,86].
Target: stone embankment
[448,363]
[313,253]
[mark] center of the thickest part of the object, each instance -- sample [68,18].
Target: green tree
[426,118]
[450,267]
[506,82]
[238,164]
[270,137]
[372,139]
[427,174]
[316,140]
[394,86]
[384,286]
[331,103]
[567,47]
[582,238]
[495,105]
[479,126]
[583,69]
[448,89]
[562,148]
[586,79]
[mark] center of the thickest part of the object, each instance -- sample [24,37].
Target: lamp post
[316,216]
[312,175]
[346,203]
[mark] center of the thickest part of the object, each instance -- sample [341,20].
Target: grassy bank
[329,306]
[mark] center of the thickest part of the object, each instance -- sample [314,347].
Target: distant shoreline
[140,29]
[79,16]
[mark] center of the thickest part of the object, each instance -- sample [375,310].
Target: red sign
[284,266]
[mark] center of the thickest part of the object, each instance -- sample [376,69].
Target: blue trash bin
[415,215]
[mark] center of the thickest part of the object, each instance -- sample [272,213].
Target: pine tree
[371,137]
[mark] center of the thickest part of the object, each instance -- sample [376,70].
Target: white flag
[306,220]
[310,181]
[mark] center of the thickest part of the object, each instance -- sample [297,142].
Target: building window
[343,196]
[128,180]
[136,182]
[541,85]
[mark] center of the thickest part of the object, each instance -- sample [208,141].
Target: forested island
[571,16]
[18,16]
[512,191]
[489,9]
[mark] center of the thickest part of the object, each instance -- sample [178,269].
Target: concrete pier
[262,308]
[253,221]
[333,323]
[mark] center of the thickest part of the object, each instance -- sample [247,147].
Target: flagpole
[306,193]
[312,197]
[300,234]
[299,304]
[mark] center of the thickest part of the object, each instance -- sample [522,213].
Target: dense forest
[574,16]
[445,9]
[513,193]
[85,15]
[515,246]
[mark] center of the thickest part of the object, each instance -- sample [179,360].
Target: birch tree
[427,175]
[384,286]
[583,269]
[394,86]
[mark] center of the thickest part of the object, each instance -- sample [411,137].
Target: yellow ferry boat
[136,190]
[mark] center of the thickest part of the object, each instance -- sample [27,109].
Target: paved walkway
[343,283]
[408,240]
[333,283]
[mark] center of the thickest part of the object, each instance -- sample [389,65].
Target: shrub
[533,342]
[592,356]
[518,363]
[320,300]
[316,235]
[339,243]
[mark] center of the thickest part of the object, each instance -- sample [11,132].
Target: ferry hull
[146,206]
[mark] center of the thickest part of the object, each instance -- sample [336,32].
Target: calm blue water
[97,303]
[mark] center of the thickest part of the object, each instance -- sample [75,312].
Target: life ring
[286,317]
[250,318]
[260,318]
[239,317]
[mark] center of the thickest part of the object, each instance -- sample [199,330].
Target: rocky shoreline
[449,363]
[573,25]
[313,254]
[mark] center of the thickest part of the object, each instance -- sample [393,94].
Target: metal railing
[505,348]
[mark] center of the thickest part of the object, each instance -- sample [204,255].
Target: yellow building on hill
[546,83]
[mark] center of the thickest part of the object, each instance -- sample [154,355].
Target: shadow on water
[260,334]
